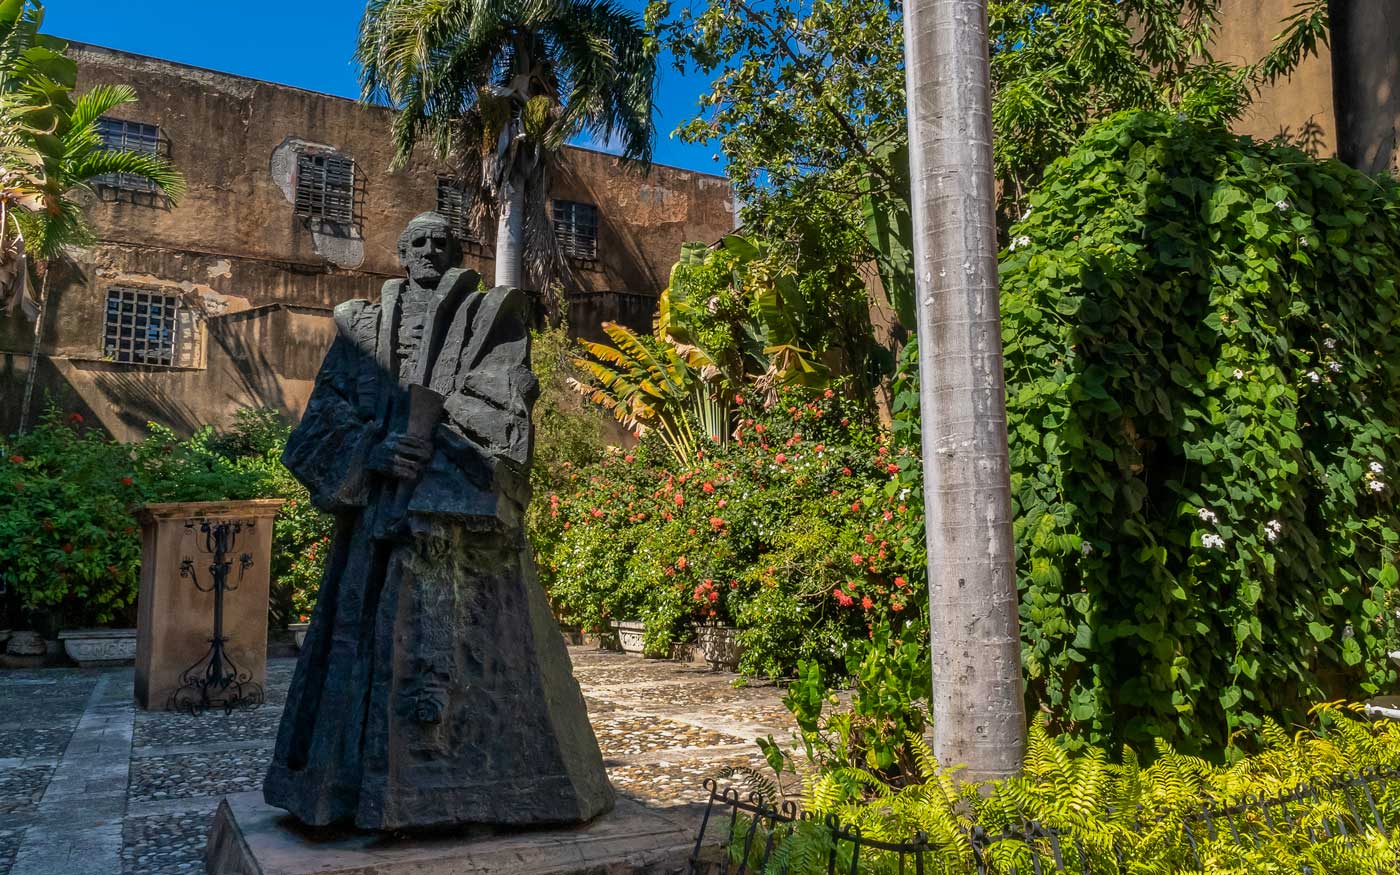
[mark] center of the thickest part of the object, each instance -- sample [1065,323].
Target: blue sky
[306,43]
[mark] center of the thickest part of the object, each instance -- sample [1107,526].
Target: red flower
[896,607]
[127,481]
[567,526]
[781,458]
[722,503]
[842,599]
[679,499]
[758,428]
[733,584]
[738,399]
[596,513]
[18,460]
[892,468]
[818,448]
[716,522]
[846,471]
[867,603]
[708,487]
[304,618]
[857,559]
[712,612]
[714,596]
[681,563]
[900,581]
[888,516]
[882,450]
[76,418]
[869,538]
[855,507]
[68,548]
[828,393]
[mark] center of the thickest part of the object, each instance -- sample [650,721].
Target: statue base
[249,837]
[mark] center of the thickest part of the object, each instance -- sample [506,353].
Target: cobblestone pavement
[91,786]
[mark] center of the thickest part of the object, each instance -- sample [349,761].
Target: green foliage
[50,147]
[808,103]
[748,315]
[1114,817]
[653,384]
[785,531]
[1203,390]
[889,686]
[69,543]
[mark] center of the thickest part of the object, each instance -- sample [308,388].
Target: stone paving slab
[145,786]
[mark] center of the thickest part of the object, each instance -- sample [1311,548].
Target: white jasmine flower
[1376,486]
[1206,514]
[1315,376]
[1026,215]
[1086,548]
[1239,374]
[1303,242]
[1282,206]
[1212,541]
[1272,529]
[1023,240]
[1377,468]
[1330,343]
[1334,367]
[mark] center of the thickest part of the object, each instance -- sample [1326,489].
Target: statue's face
[427,252]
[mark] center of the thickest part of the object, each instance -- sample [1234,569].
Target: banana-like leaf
[889,226]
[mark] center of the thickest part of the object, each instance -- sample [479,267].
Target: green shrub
[1202,347]
[69,543]
[785,531]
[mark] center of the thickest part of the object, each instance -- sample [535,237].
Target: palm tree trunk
[34,349]
[510,233]
[978,709]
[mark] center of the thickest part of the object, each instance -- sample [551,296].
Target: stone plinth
[175,620]
[249,837]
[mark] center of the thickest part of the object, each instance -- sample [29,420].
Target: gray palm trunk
[510,232]
[977,706]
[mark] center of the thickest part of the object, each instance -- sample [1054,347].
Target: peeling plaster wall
[233,247]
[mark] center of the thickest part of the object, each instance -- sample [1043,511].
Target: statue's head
[428,249]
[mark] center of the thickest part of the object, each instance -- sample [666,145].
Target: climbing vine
[1203,363]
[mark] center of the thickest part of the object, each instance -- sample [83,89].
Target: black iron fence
[756,836]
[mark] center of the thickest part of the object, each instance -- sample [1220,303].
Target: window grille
[124,136]
[148,328]
[576,228]
[453,205]
[326,188]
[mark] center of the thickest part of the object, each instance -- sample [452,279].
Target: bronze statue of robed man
[433,688]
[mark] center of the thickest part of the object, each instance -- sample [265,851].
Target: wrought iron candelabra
[216,680]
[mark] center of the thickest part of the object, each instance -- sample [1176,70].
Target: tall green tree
[808,101]
[499,86]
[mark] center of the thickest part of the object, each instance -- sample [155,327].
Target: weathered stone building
[183,314]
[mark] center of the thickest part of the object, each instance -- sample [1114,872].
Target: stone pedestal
[249,837]
[175,620]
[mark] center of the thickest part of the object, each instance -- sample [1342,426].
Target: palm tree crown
[500,85]
[51,148]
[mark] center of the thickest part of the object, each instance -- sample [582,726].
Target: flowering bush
[788,531]
[1202,338]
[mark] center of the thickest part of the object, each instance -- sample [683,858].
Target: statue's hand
[401,455]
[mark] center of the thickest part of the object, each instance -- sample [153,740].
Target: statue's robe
[433,688]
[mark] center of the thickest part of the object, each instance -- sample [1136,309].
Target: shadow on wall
[265,357]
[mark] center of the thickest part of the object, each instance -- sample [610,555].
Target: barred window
[124,136]
[576,228]
[148,328]
[452,204]
[326,188]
